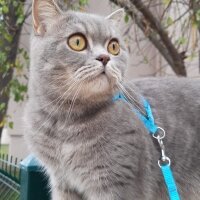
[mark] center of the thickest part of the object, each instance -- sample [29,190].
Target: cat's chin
[99,88]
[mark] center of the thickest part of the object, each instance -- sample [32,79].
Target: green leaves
[8,37]
[6,122]
[169,21]
[78,5]
[166,2]
[3,58]
[18,90]
[10,125]
[126,18]
[181,41]
[12,17]
[197,14]
[5,9]
[20,19]
[2,107]
[17,7]
[83,2]
[196,20]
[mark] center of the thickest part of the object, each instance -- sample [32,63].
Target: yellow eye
[114,47]
[77,42]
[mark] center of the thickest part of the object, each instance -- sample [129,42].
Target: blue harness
[164,163]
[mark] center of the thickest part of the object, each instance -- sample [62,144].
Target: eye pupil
[77,42]
[114,47]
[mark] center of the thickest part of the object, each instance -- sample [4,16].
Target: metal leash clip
[159,136]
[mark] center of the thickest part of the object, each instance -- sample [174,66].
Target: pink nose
[103,58]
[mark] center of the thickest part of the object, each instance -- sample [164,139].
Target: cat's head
[76,54]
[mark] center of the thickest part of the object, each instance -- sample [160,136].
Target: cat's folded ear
[116,16]
[44,12]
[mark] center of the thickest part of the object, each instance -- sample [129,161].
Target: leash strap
[170,182]
[154,131]
[148,121]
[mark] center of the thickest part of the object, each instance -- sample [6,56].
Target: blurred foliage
[4,149]
[12,17]
[73,4]
[172,26]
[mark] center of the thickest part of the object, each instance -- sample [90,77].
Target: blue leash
[164,163]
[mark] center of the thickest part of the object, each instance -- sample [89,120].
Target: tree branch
[157,34]
[6,77]
[179,66]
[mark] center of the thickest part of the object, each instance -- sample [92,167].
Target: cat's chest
[83,143]
[78,161]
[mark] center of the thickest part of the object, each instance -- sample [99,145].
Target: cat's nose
[103,58]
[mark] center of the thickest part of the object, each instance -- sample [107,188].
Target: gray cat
[94,148]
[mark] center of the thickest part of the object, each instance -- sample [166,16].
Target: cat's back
[174,101]
[164,87]
[175,104]
[180,94]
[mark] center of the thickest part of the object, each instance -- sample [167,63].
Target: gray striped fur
[101,150]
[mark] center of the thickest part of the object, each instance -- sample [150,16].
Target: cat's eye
[77,42]
[114,47]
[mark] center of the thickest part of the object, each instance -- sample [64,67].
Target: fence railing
[9,178]
[24,181]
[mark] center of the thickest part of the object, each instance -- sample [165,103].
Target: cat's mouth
[102,75]
[100,83]
[101,78]
[105,76]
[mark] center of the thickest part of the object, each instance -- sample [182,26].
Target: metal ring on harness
[157,136]
[166,162]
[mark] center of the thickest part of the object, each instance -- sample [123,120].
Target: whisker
[64,84]
[83,68]
[87,72]
[73,100]
[60,97]
[117,73]
[129,95]
[121,87]
[135,102]
[132,90]
[55,110]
